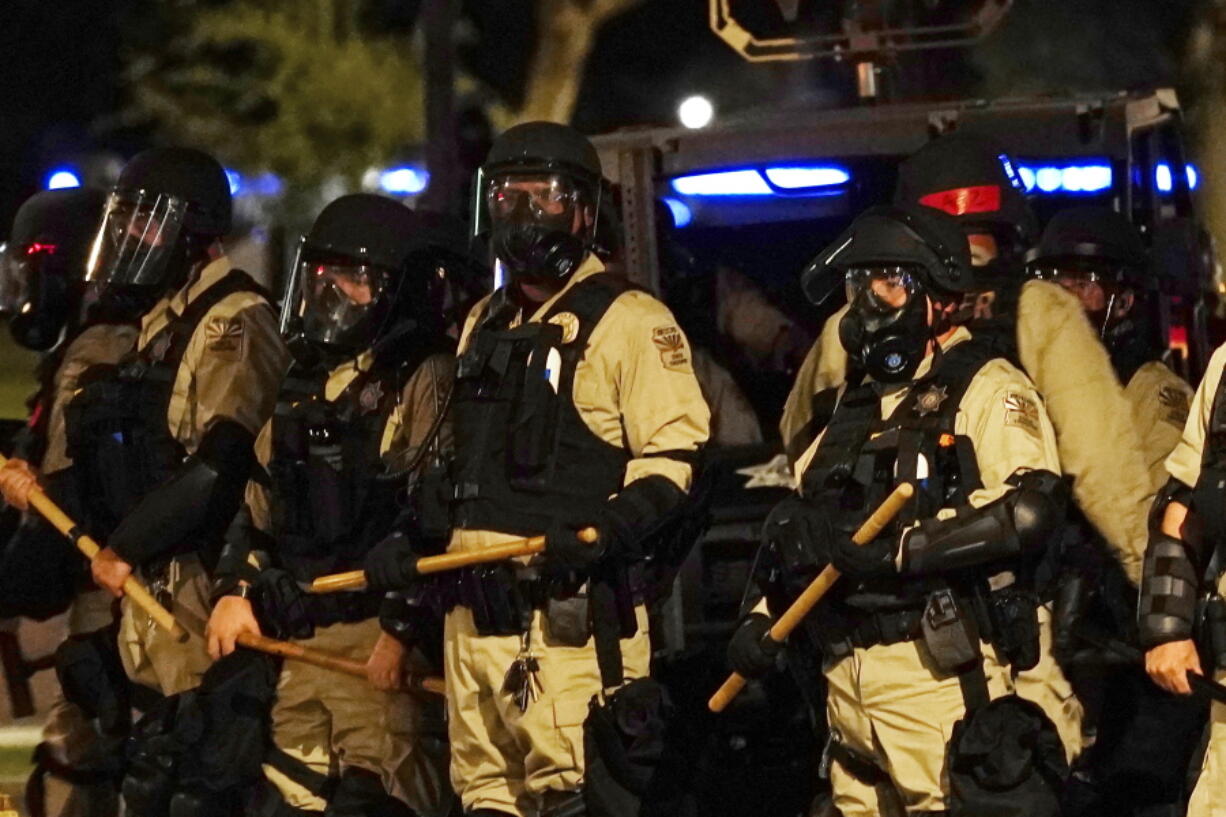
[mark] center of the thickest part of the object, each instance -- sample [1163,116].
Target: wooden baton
[356,579]
[86,544]
[296,652]
[812,594]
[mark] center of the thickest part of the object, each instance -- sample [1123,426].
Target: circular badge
[569,322]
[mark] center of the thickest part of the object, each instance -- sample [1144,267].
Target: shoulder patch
[1021,411]
[671,343]
[1175,404]
[225,336]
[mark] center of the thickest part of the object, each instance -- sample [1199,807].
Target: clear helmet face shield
[35,294]
[138,242]
[1097,284]
[539,223]
[334,302]
[14,279]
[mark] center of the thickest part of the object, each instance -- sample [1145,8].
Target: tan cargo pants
[505,759]
[329,721]
[891,704]
[150,655]
[1209,796]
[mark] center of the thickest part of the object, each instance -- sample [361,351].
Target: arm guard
[1020,522]
[1167,610]
[636,512]
[201,498]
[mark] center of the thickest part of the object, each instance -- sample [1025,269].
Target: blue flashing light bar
[682,215]
[723,183]
[1165,182]
[62,179]
[1053,177]
[771,181]
[236,181]
[797,178]
[404,181]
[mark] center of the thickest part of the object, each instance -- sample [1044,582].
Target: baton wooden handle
[812,594]
[356,579]
[86,544]
[347,666]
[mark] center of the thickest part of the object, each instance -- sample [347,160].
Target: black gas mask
[886,329]
[539,224]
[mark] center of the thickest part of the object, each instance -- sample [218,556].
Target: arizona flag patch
[671,343]
[224,336]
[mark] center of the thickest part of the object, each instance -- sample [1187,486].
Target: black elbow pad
[195,504]
[1167,609]
[1020,522]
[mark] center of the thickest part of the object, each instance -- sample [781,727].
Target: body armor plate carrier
[118,434]
[523,452]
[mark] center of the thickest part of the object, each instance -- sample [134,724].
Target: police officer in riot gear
[576,405]
[356,419]
[930,618]
[1041,326]
[1182,615]
[42,292]
[161,444]
[1096,253]
[1144,738]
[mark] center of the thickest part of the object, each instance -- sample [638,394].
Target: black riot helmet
[538,199]
[894,261]
[166,209]
[1088,247]
[42,271]
[367,275]
[972,179]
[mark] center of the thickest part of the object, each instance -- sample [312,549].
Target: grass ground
[16,376]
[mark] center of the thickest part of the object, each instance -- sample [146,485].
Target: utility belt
[952,623]
[503,598]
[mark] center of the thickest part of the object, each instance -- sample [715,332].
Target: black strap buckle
[941,609]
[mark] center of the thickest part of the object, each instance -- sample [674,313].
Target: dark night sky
[60,63]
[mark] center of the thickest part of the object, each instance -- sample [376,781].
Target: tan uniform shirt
[1160,400]
[1001,413]
[233,364]
[420,402]
[634,387]
[1097,439]
[98,345]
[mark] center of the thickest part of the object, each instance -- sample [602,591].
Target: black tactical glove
[752,653]
[877,558]
[391,564]
[565,550]
[282,606]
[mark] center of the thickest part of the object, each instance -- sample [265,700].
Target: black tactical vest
[862,458]
[332,497]
[523,453]
[119,438]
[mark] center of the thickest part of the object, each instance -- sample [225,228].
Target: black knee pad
[360,793]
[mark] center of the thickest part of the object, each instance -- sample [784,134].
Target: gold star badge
[930,401]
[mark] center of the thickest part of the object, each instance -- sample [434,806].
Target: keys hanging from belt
[522,680]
